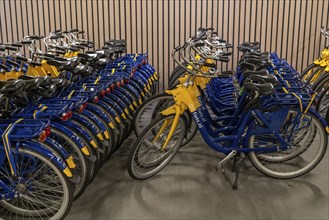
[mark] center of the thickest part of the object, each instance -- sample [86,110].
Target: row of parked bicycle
[265,110]
[63,114]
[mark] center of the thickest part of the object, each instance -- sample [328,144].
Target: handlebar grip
[15,44]
[224,60]
[26,42]
[56,31]
[74,30]
[12,63]
[199,44]
[227,53]
[34,63]
[177,48]
[81,32]
[210,65]
[229,46]
[4,67]
[10,48]
[49,55]
[21,58]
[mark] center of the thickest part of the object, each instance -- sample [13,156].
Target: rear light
[82,107]
[108,89]
[118,84]
[95,99]
[144,62]
[122,82]
[48,131]
[102,93]
[64,117]
[43,136]
[69,114]
[112,87]
[127,81]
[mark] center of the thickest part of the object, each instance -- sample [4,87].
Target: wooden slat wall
[289,27]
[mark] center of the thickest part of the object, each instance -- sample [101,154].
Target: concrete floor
[190,188]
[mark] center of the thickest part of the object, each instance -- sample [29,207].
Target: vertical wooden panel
[291,27]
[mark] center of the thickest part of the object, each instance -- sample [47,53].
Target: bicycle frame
[186,98]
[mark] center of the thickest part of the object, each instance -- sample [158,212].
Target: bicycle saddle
[115,43]
[2,48]
[32,84]
[45,81]
[263,89]
[63,65]
[254,56]
[47,92]
[259,62]
[11,87]
[249,73]
[82,70]
[102,61]
[246,65]
[248,47]
[100,53]
[250,44]
[58,62]
[88,56]
[255,53]
[269,78]
[59,83]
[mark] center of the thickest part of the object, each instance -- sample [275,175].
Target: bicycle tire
[307,70]
[269,171]
[154,166]
[79,159]
[43,214]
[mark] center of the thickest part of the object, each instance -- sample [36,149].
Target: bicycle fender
[70,124]
[321,119]
[34,146]
[72,136]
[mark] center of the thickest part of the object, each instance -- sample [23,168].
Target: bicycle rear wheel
[307,149]
[146,158]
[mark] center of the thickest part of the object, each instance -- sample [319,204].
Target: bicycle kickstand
[220,165]
[236,168]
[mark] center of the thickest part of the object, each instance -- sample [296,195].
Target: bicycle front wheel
[148,156]
[44,192]
[151,109]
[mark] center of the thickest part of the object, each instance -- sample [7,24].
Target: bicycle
[254,119]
